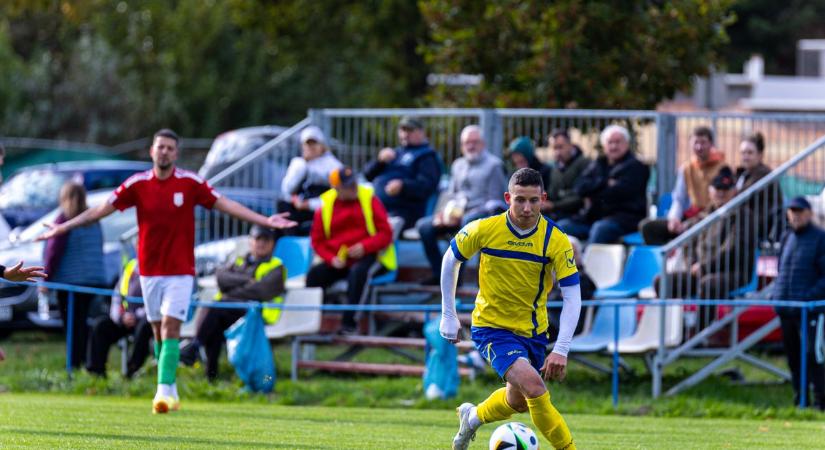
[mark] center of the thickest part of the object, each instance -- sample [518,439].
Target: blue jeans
[603,231]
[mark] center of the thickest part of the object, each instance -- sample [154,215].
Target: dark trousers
[210,335]
[430,234]
[324,275]
[655,232]
[602,231]
[303,217]
[80,329]
[105,332]
[792,340]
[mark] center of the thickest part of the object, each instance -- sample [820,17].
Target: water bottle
[43,305]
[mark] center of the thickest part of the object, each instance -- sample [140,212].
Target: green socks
[168,362]
[157,351]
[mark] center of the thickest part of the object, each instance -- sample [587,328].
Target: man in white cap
[307,177]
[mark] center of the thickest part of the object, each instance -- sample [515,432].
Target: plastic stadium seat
[753,284]
[633,239]
[603,263]
[643,264]
[646,337]
[296,253]
[295,321]
[601,334]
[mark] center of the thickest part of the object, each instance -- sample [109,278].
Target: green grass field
[68,421]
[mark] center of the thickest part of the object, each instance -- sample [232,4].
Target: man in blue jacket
[405,177]
[802,277]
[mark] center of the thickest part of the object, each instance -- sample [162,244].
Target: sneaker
[175,405]
[466,432]
[162,404]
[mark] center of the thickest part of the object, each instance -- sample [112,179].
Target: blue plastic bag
[249,352]
[441,374]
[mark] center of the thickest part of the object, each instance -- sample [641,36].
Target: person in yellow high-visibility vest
[256,276]
[350,232]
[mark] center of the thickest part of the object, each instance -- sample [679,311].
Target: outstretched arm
[241,212]
[88,216]
[450,325]
[19,273]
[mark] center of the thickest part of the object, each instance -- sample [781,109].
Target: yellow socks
[495,408]
[549,422]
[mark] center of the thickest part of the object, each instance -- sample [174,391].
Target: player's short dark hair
[167,133]
[702,130]
[526,177]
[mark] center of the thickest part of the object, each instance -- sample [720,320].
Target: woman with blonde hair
[75,258]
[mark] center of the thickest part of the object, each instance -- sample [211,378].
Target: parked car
[33,191]
[17,301]
[230,147]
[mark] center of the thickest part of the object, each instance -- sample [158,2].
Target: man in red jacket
[350,232]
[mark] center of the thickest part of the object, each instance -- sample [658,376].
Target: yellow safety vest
[125,278]
[270,315]
[387,256]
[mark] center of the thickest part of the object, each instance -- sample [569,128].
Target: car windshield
[114,225]
[231,147]
[32,189]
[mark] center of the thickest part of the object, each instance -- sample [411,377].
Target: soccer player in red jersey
[165,198]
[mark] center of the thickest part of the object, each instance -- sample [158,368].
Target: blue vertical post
[615,383]
[69,333]
[803,364]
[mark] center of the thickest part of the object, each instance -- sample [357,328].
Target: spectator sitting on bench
[477,184]
[124,319]
[350,232]
[723,254]
[569,163]
[256,276]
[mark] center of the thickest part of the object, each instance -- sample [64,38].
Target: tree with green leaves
[570,53]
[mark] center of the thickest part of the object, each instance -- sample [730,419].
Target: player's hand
[450,329]
[554,367]
[338,263]
[386,155]
[393,187]
[356,251]
[280,221]
[19,273]
[54,229]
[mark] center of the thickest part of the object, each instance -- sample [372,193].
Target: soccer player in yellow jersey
[521,251]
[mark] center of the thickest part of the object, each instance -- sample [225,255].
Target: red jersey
[166,218]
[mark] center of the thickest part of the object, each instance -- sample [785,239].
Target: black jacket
[801,267]
[616,191]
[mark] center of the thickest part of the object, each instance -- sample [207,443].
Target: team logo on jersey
[462,235]
[570,258]
[177,199]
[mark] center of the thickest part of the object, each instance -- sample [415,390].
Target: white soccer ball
[514,436]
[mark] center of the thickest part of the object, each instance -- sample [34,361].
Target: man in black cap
[256,276]
[722,258]
[801,277]
[407,176]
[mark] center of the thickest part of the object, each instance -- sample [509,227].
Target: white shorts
[167,295]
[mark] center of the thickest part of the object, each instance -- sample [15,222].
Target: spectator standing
[476,190]
[690,194]
[523,154]
[801,277]
[406,177]
[75,258]
[613,189]
[765,205]
[724,253]
[124,319]
[350,232]
[256,276]
[306,178]
[562,199]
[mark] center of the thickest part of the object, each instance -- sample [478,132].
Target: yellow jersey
[516,271]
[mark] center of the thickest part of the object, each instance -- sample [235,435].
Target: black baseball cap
[724,179]
[258,231]
[799,203]
[410,123]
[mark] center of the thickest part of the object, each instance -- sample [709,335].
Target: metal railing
[717,257]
